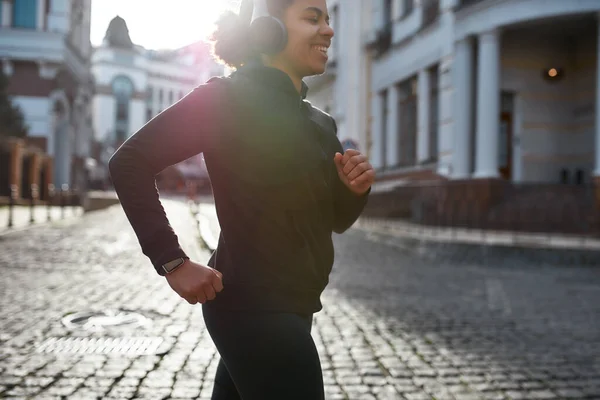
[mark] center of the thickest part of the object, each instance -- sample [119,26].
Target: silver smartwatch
[172,265]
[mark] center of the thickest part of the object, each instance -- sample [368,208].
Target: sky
[160,24]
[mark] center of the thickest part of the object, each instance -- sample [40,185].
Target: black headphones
[268,34]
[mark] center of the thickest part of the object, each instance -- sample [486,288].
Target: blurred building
[45,51]
[486,89]
[343,91]
[134,84]
[474,112]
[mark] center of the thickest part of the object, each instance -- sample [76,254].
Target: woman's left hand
[355,171]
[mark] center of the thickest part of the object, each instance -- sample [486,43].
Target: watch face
[170,266]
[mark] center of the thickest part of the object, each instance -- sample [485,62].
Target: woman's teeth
[322,49]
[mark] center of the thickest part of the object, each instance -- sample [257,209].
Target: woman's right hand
[195,283]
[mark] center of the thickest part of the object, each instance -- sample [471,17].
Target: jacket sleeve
[183,130]
[347,205]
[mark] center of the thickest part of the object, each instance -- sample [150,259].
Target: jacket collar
[272,77]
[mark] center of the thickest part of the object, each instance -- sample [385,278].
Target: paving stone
[541,394]
[185,392]
[22,391]
[374,380]
[86,394]
[335,396]
[350,380]
[450,380]
[47,397]
[570,393]
[494,396]
[9,380]
[417,396]
[63,391]
[517,395]
[122,391]
[531,385]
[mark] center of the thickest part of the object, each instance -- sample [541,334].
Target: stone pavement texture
[401,320]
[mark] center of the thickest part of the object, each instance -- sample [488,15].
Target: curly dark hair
[231,42]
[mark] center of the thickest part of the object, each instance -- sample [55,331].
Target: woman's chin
[318,69]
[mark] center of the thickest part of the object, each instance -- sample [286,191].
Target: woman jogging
[281,183]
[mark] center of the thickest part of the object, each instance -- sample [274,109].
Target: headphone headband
[267,33]
[246,11]
[261,9]
[251,10]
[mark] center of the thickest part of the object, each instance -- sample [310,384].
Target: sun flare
[162,24]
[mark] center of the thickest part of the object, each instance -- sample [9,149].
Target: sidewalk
[404,229]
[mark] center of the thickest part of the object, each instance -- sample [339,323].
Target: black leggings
[264,356]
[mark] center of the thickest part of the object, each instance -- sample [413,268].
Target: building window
[388,9]
[149,96]
[465,3]
[408,122]
[123,91]
[408,6]
[160,98]
[46,13]
[384,126]
[431,11]
[25,14]
[434,117]
[170,97]
[181,94]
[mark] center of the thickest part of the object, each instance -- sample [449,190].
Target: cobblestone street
[401,319]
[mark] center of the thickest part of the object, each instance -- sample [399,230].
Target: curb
[206,233]
[205,220]
[486,238]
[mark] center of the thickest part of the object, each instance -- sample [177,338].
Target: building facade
[45,52]
[474,112]
[486,89]
[134,84]
[343,90]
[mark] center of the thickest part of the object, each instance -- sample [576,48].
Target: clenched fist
[195,283]
[355,171]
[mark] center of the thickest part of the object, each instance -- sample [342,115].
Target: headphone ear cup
[268,35]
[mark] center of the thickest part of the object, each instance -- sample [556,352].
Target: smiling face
[309,38]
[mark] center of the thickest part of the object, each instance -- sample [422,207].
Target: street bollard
[10,208]
[63,193]
[72,194]
[50,200]
[14,189]
[34,195]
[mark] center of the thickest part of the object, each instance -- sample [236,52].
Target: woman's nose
[327,31]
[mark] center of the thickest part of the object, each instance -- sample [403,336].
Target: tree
[12,121]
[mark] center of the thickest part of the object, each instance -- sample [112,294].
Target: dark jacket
[269,154]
